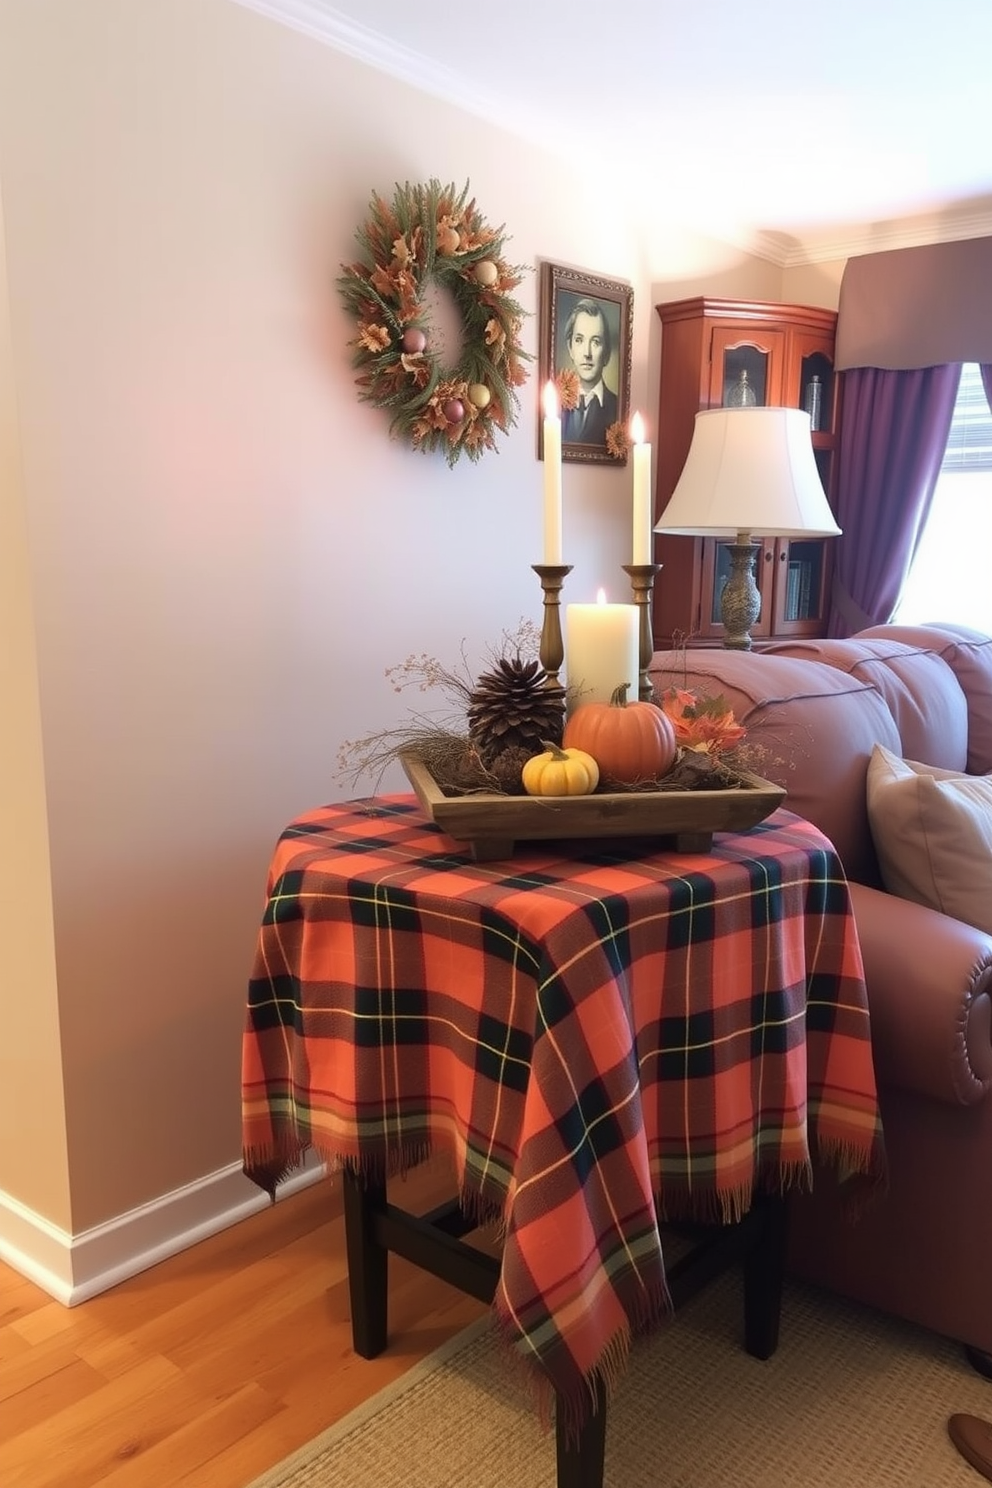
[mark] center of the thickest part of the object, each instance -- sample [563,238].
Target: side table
[596,1034]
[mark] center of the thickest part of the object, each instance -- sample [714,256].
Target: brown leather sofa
[814,710]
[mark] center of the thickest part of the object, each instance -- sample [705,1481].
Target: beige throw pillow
[933,835]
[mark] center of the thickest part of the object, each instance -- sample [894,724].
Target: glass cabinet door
[801,591]
[744,369]
[811,381]
[803,598]
[817,391]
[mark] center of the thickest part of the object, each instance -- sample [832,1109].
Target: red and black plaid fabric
[585,1034]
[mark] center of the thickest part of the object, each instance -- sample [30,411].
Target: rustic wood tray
[684,820]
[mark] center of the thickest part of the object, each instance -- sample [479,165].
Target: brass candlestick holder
[552,653]
[642,582]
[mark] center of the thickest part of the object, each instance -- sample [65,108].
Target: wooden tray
[685,820]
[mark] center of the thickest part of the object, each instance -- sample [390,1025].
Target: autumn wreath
[433,235]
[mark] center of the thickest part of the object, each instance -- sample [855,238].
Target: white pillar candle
[601,651]
[641,455]
[552,476]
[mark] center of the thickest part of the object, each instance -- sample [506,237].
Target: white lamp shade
[750,470]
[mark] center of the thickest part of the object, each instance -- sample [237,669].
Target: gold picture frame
[578,313]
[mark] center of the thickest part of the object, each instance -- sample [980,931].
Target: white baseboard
[72,1268]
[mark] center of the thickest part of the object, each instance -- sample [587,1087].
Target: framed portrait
[585,347]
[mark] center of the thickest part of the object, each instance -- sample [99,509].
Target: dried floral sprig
[450,756]
[428,674]
[441,739]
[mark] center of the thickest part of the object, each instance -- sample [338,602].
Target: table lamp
[748,470]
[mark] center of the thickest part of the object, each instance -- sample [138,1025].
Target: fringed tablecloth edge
[580,1402]
[268,1164]
[863,1177]
[727,1205]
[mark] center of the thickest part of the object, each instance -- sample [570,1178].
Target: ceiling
[800,129]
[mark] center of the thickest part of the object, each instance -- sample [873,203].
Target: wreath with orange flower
[435,234]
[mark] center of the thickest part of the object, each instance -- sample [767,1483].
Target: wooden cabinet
[715,353]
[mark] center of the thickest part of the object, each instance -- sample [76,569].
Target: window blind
[969,444]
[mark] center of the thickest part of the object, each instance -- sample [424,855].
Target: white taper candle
[641,456]
[552,476]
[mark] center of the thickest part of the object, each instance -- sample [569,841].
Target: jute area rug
[851,1399]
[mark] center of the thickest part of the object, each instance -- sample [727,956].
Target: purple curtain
[893,434]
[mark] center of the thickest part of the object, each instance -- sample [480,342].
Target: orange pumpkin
[630,742]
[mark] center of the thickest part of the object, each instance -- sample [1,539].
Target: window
[949,577]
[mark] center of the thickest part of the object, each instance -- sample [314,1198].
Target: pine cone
[461,773]
[507,769]
[515,706]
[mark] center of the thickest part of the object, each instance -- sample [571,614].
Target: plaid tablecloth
[584,1030]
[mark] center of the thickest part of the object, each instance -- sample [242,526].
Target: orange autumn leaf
[704,724]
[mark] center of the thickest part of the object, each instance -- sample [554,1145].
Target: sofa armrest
[929,981]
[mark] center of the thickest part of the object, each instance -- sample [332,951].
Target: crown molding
[322,22]
[875,237]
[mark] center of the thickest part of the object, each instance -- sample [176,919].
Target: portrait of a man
[589,349]
[586,333]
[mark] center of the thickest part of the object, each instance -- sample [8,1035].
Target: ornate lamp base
[740,602]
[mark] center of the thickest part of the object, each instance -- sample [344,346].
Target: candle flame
[600,596]
[550,400]
[637,429]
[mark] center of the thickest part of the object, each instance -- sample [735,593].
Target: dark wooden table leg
[764,1274]
[580,1460]
[368,1263]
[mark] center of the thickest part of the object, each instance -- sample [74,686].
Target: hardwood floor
[214,1365]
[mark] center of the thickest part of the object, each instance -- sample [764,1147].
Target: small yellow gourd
[560,772]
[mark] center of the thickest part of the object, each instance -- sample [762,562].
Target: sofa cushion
[969,655]
[810,728]
[921,691]
[933,835]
